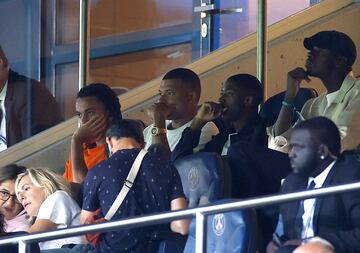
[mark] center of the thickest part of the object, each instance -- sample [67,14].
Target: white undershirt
[227,145]
[174,135]
[309,204]
[3,144]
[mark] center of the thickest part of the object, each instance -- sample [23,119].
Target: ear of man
[341,61]
[248,101]
[192,97]
[324,151]
[110,143]
[2,63]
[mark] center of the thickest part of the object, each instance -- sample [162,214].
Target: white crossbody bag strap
[127,185]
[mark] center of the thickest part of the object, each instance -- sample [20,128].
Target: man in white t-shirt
[179,93]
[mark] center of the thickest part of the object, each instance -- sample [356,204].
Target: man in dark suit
[316,162]
[27,106]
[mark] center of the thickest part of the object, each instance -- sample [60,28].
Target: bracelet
[290,106]
[287,104]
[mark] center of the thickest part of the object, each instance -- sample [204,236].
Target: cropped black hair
[188,77]
[324,130]
[126,128]
[10,172]
[249,84]
[105,95]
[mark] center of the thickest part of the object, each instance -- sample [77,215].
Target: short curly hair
[105,95]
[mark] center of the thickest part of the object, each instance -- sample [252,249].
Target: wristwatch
[157,130]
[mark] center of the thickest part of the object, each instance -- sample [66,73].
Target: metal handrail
[84,42]
[262,45]
[199,212]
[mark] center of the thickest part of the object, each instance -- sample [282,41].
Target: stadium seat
[230,232]
[172,243]
[271,108]
[203,177]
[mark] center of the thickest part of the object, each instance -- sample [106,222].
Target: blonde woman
[46,196]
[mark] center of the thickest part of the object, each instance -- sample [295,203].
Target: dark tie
[2,138]
[300,212]
[1,114]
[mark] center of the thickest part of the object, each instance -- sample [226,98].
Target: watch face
[154,130]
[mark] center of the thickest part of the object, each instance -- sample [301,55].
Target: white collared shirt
[330,97]
[227,144]
[309,204]
[3,144]
[342,110]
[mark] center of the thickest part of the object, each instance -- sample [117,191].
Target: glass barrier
[131,42]
[234,26]
[28,105]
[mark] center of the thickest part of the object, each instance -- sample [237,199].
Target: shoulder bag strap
[127,184]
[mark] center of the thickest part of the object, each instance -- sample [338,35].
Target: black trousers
[256,170]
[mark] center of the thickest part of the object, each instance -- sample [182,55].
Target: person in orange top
[96,106]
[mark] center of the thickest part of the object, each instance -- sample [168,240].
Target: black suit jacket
[30,108]
[336,217]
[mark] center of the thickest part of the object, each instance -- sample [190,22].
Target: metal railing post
[262,44]
[22,247]
[200,239]
[84,42]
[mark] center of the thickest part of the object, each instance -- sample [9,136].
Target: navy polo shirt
[156,185]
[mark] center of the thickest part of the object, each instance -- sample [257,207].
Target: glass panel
[67,87]
[133,69]
[67,21]
[121,72]
[112,17]
[132,42]
[137,15]
[238,25]
[28,105]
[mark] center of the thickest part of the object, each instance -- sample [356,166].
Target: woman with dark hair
[15,217]
[14,220]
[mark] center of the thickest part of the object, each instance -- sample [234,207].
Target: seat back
[271,108]
[230,232]
[172,243]
[202,177]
